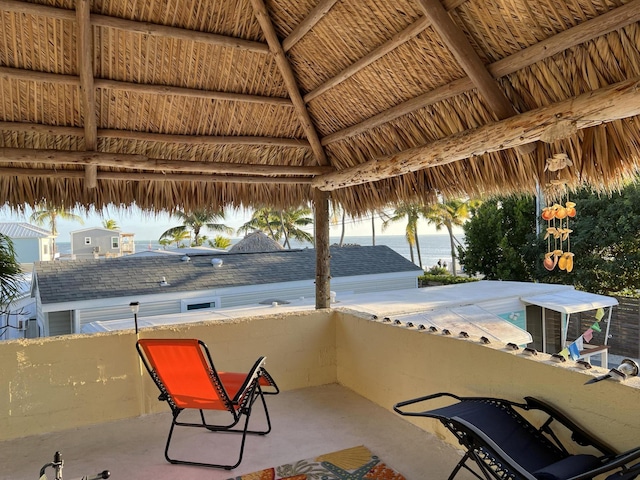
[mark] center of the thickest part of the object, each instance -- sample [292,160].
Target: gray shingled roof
[23,230]
[65,281]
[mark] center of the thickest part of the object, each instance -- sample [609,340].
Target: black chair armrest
[252,377]
[613,462]
[397,407]
[578,435]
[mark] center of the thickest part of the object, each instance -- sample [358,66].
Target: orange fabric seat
[187,379]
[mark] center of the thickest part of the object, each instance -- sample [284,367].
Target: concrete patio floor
[306,423]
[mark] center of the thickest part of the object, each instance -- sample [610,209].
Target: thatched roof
[185,104]
[256,242]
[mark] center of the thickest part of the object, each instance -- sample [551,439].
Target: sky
[147,226]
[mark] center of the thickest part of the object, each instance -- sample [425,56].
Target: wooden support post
[323,255]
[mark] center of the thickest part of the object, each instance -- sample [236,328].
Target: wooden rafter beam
[143,28]
[467,58]
[143,162]
[260,11]
[394,42]
[598,26]
[621,100]
[85,65]
[155,137]
[55,78]
[148,177]
[470,62]
[316,14]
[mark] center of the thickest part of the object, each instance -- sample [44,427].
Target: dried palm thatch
[256,242]
[187,105]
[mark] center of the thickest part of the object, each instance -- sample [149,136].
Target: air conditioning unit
[96,249]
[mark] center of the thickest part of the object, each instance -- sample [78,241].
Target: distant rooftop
[23,230]
[91,279]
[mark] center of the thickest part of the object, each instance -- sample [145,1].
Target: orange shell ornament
[548,262]
[569,262]
[561,212]
[547,213]
[571,209]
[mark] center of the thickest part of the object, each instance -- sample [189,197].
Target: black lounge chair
[504,445]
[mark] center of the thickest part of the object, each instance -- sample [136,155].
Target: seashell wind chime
[557,217]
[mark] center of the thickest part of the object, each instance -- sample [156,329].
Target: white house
[72,294]
[97,242]
[31,243]
[18,319]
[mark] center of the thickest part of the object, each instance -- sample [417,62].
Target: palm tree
[448,214]
[292,222]
[9,272]
[195,221]
[281,224]
[220,242]
[177,236]
[338,214]
[48,214]
[264,220]
[412,213]
[110,224]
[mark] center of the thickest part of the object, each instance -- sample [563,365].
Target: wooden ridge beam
[142,162]
[19,127]
[317,13]
[85,65]
[260,11]
[598,26]
[147,177]
[56,78]
[143,28]
[614,102]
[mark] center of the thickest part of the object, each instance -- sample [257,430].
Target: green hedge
[429,280]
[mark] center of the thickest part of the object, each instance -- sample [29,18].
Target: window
[204,303]
[45,249]
[87,240]
[115,242]
[201,306]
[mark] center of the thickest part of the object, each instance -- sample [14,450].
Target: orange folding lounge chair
[183,371]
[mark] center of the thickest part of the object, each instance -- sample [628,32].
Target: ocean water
[433,247]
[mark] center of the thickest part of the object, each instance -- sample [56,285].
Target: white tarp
[570,301]
[471,319]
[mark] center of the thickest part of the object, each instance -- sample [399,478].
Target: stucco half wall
[63,382]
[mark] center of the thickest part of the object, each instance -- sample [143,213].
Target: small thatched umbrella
[256,242]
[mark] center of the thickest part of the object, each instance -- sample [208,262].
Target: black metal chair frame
[239,406]
[495,460]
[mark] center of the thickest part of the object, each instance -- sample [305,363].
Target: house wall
[99,238]
[65,382]
[371,364]
[52,384]
[153,305]
[28,250]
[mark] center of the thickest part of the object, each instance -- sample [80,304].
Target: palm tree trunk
[196,234]
[453,249]
[373,229]
[284,232]
[415,235]
[343,228]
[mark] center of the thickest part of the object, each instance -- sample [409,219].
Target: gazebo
[187,105]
